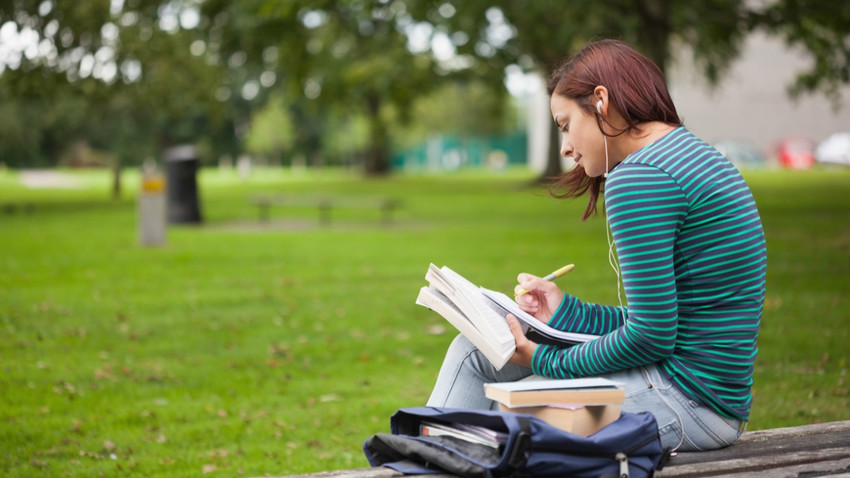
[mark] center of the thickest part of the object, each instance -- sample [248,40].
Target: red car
[797,153]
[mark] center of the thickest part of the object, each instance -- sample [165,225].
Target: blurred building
[751,104]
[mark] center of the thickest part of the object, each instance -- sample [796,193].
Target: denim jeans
[683,423]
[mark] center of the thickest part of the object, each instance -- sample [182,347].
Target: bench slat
[802,463]
[809,450]
[810,446]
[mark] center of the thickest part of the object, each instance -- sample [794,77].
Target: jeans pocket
[670,434]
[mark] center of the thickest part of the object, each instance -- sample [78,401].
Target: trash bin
[181,164]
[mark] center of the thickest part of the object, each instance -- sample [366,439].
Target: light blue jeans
[683,424]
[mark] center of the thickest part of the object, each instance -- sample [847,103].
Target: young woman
[691,252]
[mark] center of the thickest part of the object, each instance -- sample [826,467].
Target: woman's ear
[600,95]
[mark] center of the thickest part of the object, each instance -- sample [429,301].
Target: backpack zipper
[621,457]
[624,464]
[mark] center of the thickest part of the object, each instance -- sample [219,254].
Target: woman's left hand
[524,347]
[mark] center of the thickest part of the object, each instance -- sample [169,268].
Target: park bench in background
[804,451]
[12,208]
[324,204]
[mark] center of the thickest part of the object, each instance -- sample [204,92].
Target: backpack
[627,447]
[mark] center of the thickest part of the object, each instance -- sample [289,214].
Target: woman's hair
[636,89]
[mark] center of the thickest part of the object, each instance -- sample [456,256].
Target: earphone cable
[612,256]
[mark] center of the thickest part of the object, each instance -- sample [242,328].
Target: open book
[479,314]
[463,431]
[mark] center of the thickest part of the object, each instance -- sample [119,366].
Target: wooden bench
[324,205]
[804,451]
[12,208]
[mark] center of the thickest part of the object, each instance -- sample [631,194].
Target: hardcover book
[577,419]
[574,391]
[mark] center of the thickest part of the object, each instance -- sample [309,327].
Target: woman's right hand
[541,300]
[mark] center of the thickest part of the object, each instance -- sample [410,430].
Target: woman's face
[582,139]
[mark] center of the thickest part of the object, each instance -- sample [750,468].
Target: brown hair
[636,88]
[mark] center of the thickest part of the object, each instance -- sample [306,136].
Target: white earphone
[615,264]
[599,110]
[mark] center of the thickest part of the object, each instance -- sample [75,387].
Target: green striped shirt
[692,252]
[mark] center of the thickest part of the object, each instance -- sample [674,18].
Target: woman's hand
[541,300]
[524,347]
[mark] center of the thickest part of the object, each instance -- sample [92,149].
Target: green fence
[450,153]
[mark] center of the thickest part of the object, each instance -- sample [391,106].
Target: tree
[272,131]
[462,108]
[341,61]
[352,55]
[135,76]
[821,28]
[132,68]
[538,34]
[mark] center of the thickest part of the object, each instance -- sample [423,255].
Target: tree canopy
[131,77]
[539,35]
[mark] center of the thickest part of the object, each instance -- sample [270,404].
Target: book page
[433,299]
[469,299]
[472,434]
[507,305]
[569,383]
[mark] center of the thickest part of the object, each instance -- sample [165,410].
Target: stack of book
[581,406]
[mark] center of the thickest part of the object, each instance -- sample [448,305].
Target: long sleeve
[646,210]
[692,252]
[573,315]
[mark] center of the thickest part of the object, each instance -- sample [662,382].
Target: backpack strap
[518,452]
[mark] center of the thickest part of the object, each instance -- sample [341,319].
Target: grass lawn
[241,350]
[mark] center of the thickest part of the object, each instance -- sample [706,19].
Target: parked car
[834,149]
[796,153]
[742,153]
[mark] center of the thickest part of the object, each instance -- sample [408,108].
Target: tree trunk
[116,178]
[654,36]
[553,158]
[377,159]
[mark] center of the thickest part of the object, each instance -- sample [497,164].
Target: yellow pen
[558,273]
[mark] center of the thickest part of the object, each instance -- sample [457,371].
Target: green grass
[239,350]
